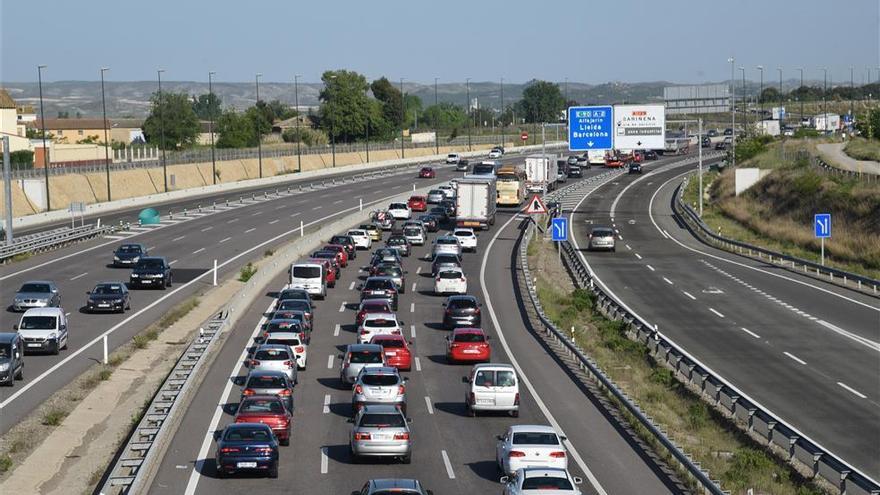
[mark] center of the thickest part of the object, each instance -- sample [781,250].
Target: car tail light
[438,279]
[517,453]
[254,362]
[263,450]
[477,311]
[401,389]
[299,349]
[229,450]
[289,364]
[363,331]
[559,454]
[401,436]
[302,336]
[361,436]
[358,389]
[247,391]
[284,393]
[516,399]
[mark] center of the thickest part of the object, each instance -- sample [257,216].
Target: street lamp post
[502,113]
[211,123]
[467,107]
[852,89]
[731,60]
[366,89]
[780,93]
[824,98]
[259,133]
[436,113]
[162,131]
[745,100]
[43,125]
[801,70]
[106,141]
[402,118]
[296,124]
[761,92]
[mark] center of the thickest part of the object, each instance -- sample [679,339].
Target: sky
[686,41]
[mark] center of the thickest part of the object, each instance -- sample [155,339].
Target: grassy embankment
[863,149]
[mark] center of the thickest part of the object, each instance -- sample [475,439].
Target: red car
[417,203]
[468,345]
[340,250]
[269,410]
[372,306]
[427,173]
[397,353]
[329,270]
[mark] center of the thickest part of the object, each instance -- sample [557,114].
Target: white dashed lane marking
[792,356]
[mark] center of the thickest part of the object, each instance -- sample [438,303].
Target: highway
[808,350]
[452,452]
[233,236]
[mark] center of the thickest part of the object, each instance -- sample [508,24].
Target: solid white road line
[689,295]
[233,220]
[79,276]
[430,406]
[178,238]
[197,251]
[412,331]
[338,201]
[449,471]
[639,256]
[795,357]
[854,391]
[523,377]
[412,307]
[256,213]
[336,330]
[753,334]
[858,338]
[342,306]
[330,361]
[151,248]
[418,364]
[716,312]
[650,268]
[668,281]
[224,240]
[324,461]
[248,231]
[327,404]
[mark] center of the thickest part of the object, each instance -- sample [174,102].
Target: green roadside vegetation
[710,438]
[863,149]
[777,212]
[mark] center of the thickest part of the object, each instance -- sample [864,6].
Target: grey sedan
[36,294]
[381,431]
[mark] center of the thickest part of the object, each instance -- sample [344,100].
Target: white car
[290,339]
[524,446]
[495,154]
[362,239]
[414,235]
[399,211]
[450,280]
[453,158]
[274,358]
[446,244]
[539,481]
[467,238]
[376,324]
[448,191]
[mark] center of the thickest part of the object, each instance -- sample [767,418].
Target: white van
[492,387]
[43,330]
[309,277]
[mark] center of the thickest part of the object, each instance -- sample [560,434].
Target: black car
[444,258]
[380,287]
[461,311]
[635,168]
[295,305]
[247,447]
[384,255]
[108,296]
[393,271]
[707,142]
[288,294]
[722,145]
[129,254]
[572,160]
[575,170]
[348,242]
[440,213]
[728,132]
[398,242]
[151,272]
[650,155]
[711,133]
[430,222]
[11,357]
[462,166]
[449,205]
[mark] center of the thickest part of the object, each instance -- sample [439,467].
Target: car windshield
[546,483]
[267,381]
[150,264]
[489,378]
[603,233]
[107,289]
[462,304]
[381,323]
[289,341]
[412,232]
[389,271]
[391,420]
[38,323]
[35,288]
[324,255]
[507,178]
[271,355]
[535,438]
[435,191]
[306,272]
[5,351]
[129,249]
[450,274]
[256,434]
[392,343]
[272,406]
[338,239]
[380,380]
[469,337]
[366,357]
[396,240]
[358,233]
[451,156]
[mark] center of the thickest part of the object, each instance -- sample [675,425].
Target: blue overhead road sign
[560,229]
[590,128]
[822,225]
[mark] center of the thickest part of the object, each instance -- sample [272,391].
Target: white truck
[596,157]
[475,202]
[541,171]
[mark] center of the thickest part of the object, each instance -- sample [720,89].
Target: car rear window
[397,206]
[292,342]
[38,323]
[281,326]
[256,433]
[383,420]
[535,438]
[435,191]
[391,343]
[271,355]
[374,284]
[446,240]
[489,378]
[376,308]
[462,304]
[267,381]
[366,357]
[449,274]
[464,233]
[293,294]
[35,288]
[380,380]
[388,271]
[306,272]
[603,233]
[293,304]
[273,406]
[381,323]
[546,483]
[469,337]
[150,264]
[412,232]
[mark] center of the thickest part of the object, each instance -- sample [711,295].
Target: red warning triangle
[536,206]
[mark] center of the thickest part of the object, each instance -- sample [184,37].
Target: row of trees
[771,94]
[351,109]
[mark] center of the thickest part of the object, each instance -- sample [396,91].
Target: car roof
[110,283]
[379,277]
[43,312]
[7,337]
[449,267]
[386,483]
[153,258]
[381,316]
[535,472]
[381,408]
[381,370]
[240,426]
[271,347]
[284,335]
[500,366]
[532,429]
[364,348]
[462,297]
[39,282]
[468,330]
[309,263]
[388,336]
[274,373]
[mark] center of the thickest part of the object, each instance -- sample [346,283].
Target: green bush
[305,135]
[582,299]
[247,271]
[749,147]
[54,417]
[806,132]
[22,159]
[5,463]
[697,415]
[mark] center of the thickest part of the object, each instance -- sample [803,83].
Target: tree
[444,116]
[174,113]
[261,116]
[869,123]
[345,107]
[206,106]
[281,111]
[541,102]
[770,94]
[22,159]
[391,99]
[63,115]
[413,106]
[235,130]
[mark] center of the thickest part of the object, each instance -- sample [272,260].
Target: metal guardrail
[138,451]
[827,168]
[696,225]
[761,424]
[51,239]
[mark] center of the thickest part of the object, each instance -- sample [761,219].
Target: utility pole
[259,133]
[781,118]
[7,190]
[106,140]
[467,107]
[761,92]
[824,99]
[731,60]
[700,160]
[211,123]
[368,121]
[43,125]
[801,70]
[502,112]
[402,118]
[852,89]
[162,130]
[437,112]
[299,164]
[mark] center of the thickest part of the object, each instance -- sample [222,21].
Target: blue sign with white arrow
[822,225]
[590,128]
[560,229]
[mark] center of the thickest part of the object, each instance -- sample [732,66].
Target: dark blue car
[247,447]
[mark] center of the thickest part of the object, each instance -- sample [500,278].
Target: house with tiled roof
[9,125]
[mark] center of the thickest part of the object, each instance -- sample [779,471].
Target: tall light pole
[436,110]
[43,125]
[824,97]
[502,113]
[801,70]
[852,89]
[402,118]
[731,60]
[162,131]
[467,108]
[366,90]
[259,133]
[780,93]
[745,100]
[299,164]
[106,141]
[211,123]
[332,129]
[761,91]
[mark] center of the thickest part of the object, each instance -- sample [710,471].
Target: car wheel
[450,360]
[221,473]
[56,348]
[20,374]
[285,442]
[407,459]
[515,413]
[273,471]
[471,412]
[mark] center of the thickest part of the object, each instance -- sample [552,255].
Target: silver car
[414,235]
[446,244]
[36,294]
[435,196]
[601,238]
[269,383]
[384,486]
[379,386]
[541,480]
[381,431]
[358,357]
[269,357]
